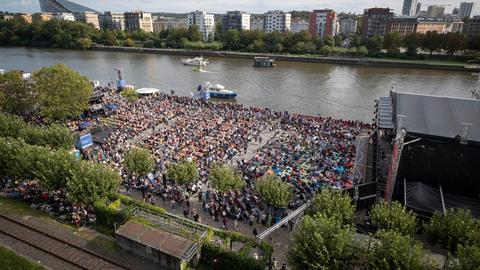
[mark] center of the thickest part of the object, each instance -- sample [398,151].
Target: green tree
[412,42]
[397,251]
[273,191]
[334,205]
[431,42]
[52,169]
[374,44]
[184,173]
[194,33]
[329,41]
[129,43]
[130,95]
[17,96]
[231,40]
[321,243]
[453,42]
[394,217]
[225,178]
[392,42]
[455,227]
[92,182]
[84,43]
[62,92]
[362,51]
[325,50]
[139,161]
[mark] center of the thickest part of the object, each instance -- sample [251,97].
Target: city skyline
[221,6]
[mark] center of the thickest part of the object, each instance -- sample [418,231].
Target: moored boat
[216,91]
[197,61]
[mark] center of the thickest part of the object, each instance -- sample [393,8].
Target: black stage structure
[428,152]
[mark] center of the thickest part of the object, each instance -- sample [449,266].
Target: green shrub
[217,258]
[456,227]
[394,217]
[466,258]
[108,218]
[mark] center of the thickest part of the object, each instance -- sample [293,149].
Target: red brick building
[323,23]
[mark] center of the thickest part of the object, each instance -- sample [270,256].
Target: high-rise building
[465,10]
[236,20]
[88,17]
[419,8]
[348,26]
[472,27]
[298,25]
[376,22]
[138,20]
[256,25]
[162,24]
[113,21]
[323,23]
[404,25]
[277,20]
[63,6]
[204,21]
[435,11]
[409,7]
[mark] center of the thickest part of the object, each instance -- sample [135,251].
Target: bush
[108,218]
[456,227]
[394,217]
[325,50]
[466,258]
[215,257]
[130,95]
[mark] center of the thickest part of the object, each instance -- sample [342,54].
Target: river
[338,91]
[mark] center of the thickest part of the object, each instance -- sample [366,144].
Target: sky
[220,6]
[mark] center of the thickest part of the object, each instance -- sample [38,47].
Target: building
[235,20]
[323,23]
[277,20]
[256,25]
[204,21]
[348,26]
[27,17]
[42,16]
[63,6]
[298,25]
[163,23]
[88,17]
[64,17]
[376,22]
[409,7]
[465,10]
[425,26]
[455,27]
[419,8]
[113,21]
[138,20]
[472,28]
[435,11]
[404,25]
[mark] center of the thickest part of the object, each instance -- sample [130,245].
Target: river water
[338,91]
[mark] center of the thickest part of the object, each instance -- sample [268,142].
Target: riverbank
[366,61]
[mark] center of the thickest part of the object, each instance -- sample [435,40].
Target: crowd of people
[308,152]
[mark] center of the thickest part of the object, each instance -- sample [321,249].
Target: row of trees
[55,168]
[64,34]
[55,92]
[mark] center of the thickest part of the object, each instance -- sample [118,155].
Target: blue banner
[85,141]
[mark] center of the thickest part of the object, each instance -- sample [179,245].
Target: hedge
[215,257]
[108,218]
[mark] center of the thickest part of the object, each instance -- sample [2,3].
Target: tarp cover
[437,116]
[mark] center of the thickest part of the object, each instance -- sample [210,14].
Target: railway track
[67,252]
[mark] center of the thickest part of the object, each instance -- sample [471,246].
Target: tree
[394,217]
[325,50]
[92,182]
[431,42]
[273,191]
[52,169]
[231,40]
[362,51]
[453,42]
[225,178]
[334,205]
[17,96]
[455,227]
[139,161]
[129,43]
[130,94]
[194,33]
[62,92]
[412,41]
[374,44]
[329,41]
[184,173]
[84,43]
[392,42]
[321,243]
[397,251]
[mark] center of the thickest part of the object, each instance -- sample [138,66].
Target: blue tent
[84,125]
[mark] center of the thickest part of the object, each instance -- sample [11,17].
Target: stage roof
[437,116]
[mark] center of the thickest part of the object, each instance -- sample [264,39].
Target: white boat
[216,91]
[197,61]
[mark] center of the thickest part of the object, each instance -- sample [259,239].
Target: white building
[204,21]
[135,21]
[256,24]
[64,17]
[299,26]
[348,26]
[277,21]
[88,17]
[114,21]
[236,20]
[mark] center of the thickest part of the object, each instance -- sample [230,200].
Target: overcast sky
[220,6]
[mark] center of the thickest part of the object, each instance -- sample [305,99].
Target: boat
[216,91]
[197,61]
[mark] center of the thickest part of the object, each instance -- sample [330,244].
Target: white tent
[147,91]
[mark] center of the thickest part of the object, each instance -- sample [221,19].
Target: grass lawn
[11,261]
